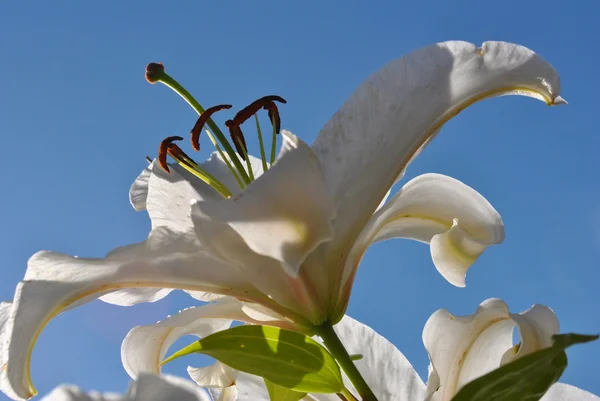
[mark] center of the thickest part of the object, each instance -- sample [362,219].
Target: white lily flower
[292,240]
[463,348]
[392,378]
[146,388]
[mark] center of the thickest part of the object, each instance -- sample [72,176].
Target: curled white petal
[56,282]
[138,193]
[384,368]
[457,222]
[144,347]
[368,143]
[463,348]
[217,375]
[565,392]
[146,388]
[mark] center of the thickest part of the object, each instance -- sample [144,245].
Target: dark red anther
[163,151]
[154,71]
[197,130]
[254,107]
[237,136]
[273,116]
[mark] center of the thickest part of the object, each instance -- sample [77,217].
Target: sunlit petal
[56,282]
[247,387]
[463,348]
[565,392]
[145,347]
[457,222]
[217,375]
[385,369]
[285,213]
[368,143]
[138,193]
[146,388]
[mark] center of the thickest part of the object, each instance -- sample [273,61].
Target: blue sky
[78,119]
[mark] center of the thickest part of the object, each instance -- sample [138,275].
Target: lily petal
[146,388]
[463,348]
[217,375]
[5,312]
[56,282]
[384,368]
[138,193]
[368,143]
[145,347]
[456,220]
[286,213]
[565,392]
[247,387]
[265,273]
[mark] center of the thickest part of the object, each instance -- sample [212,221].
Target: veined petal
[565,392]
[73,393]
[457,221]
[397,111]
[217,375]
[5,312]
[536,327]
[247,387]
[384,368]
[169,195]
[286,213]
[145,347]
[266,274]
[165,388]
[146,388]
[56,282]
[463,348]
[138,193]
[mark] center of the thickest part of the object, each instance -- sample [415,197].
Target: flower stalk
[343,358]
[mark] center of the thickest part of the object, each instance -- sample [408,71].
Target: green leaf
[279,393]
[525,379]
[284,357]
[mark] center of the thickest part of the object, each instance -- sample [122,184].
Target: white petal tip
[559,100]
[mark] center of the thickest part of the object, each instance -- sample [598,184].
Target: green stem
[337,349]
[263,156]
[273,145]
[181,91]
[226,160]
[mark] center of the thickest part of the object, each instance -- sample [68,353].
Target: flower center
[244,175]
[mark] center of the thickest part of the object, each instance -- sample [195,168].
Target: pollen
[237,136]
[163,151]
[195,133]
[271,107]
[254,107]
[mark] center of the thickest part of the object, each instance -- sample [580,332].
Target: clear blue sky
[78,119]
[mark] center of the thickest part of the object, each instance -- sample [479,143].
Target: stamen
[154,71]
[237,136]
[168,147]
[148,159]
[195,133]
[163,150]
[254,107]
[273,116]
